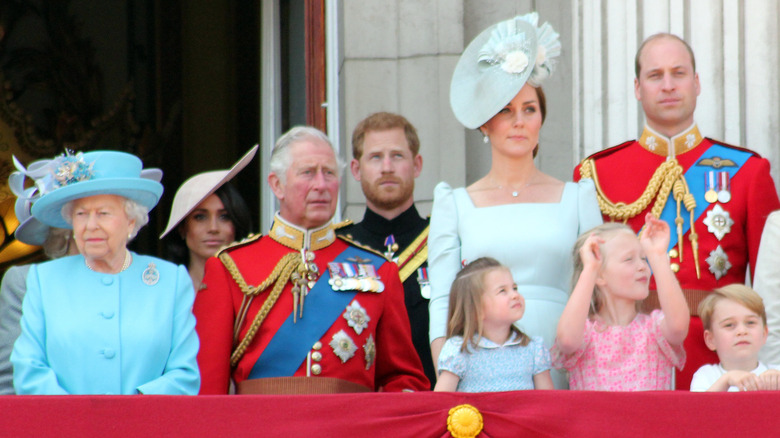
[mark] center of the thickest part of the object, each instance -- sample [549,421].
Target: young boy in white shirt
[735,328]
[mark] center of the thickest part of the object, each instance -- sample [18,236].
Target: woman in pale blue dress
[524,218]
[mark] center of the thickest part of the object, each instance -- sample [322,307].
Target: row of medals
[718,220]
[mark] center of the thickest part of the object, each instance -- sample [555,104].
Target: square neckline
[566,188]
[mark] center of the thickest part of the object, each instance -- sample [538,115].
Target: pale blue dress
[534,240]
[491,367]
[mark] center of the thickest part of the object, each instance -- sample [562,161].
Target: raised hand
[590,253]
[655,235]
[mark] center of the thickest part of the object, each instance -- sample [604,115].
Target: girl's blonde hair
[465,309]
[605,231]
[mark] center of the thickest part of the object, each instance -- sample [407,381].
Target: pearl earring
[485,139]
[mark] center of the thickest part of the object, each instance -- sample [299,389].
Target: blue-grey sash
[293,341]
[695,178]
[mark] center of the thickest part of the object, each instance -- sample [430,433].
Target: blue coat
[85,332]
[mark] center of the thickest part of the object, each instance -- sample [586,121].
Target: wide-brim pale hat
[496,65]
[81,175]
[199,187]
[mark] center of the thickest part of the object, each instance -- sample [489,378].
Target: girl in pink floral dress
[602,340]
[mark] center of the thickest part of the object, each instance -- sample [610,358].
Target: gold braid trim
[280,276]
[411,266]
[414,255]
[659,187]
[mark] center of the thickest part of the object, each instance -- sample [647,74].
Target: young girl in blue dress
[484,351]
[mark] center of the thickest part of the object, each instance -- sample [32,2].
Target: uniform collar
[377,224]
[659,144]
[298,238]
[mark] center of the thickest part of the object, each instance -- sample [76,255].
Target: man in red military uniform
[726,192]
[301,310]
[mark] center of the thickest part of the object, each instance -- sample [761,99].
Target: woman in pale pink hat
[207,214]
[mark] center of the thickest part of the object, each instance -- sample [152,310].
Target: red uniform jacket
[396,366]
[624,172]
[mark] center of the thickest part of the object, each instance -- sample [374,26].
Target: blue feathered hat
[76,176]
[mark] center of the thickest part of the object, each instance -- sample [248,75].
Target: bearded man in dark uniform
[302,310]
[714,196]
[386,161]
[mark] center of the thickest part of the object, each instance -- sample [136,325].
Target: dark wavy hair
[176,247]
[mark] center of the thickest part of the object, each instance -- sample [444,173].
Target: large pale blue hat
[496,65]
[76,176]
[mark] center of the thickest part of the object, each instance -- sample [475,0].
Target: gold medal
[710,195]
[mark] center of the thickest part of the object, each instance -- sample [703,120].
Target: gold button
[316,369]
[673,253]
[317,345]
[675,267]
[316,356]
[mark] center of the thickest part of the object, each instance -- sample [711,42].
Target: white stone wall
[737,50]
[398,55]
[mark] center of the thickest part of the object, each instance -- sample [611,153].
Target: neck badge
[391,246]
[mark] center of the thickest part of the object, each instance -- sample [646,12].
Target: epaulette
[231,246]
[609,151]
[342,224]
[739,148]
[349,240]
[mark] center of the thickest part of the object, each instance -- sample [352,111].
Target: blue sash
[323,306]
[695,178]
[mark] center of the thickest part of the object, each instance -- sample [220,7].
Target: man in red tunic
[726,192]
[302,310]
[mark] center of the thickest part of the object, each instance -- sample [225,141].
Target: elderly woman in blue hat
[516,213]
[107,321]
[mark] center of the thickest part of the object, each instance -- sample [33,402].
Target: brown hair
[383,121]
[465,309]
[739,293]
[604,231]
[638,67]
[543,108]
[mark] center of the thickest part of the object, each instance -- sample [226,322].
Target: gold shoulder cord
[667,178]
[279,277]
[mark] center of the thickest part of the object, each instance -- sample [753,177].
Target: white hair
[57,242]
[134,211]
[281,159]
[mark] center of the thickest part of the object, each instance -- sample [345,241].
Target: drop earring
[485,138]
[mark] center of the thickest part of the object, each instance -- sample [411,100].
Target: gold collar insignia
[297,238]
[659,144]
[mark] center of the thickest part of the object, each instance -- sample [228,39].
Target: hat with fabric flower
[199,187]
[30,230]
[496,65]
[75,176]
